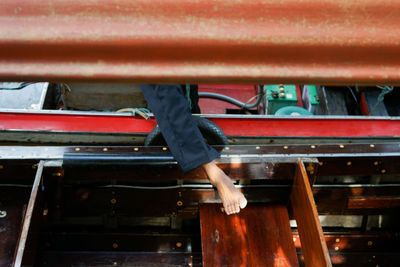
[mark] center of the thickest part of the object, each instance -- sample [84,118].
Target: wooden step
[257,236]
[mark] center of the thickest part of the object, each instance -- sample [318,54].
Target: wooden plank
[357,199]
[12,202]
[373,202]
[304,211]
[257,236]
[27,220]
[358,242]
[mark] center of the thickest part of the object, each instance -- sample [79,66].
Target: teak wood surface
[305,212]
[257,236]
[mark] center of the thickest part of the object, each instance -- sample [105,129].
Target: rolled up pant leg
[172,113]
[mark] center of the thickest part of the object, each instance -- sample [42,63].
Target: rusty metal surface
[324,41]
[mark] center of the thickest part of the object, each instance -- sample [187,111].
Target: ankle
[214,173]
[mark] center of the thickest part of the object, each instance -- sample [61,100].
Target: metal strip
[232,154]
[323,41]
[253,126]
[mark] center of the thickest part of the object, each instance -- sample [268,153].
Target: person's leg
[232,199]
[186,143]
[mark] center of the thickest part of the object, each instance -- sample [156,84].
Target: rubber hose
[210,131]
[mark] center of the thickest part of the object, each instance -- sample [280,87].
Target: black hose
[234,101]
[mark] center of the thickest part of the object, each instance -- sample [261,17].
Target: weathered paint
[232,126]
[324,41]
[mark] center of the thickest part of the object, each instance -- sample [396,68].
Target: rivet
[336,248]
[341,146]
[369,243]
[105,149]
[383,171]
[136,149]
[376,163]
[294,239]
[115,245]
[178,244]
[257,147]
[321,163]
[179,203]
[226,148]
[113,201]
[285,147]
[77,149]
[349,163]
[312,146]
[164,148]
[337,240]
[372,145]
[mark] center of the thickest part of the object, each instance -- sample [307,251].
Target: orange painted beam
[324,41]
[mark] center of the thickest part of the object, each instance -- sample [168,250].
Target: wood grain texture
[257,236]
[24,251]
[312,238]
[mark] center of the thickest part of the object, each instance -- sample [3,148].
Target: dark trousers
[172,112]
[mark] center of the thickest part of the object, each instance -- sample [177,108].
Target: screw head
[113,201]
[179,203]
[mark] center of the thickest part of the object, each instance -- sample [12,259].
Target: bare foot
[232,199]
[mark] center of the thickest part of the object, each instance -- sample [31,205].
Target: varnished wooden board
[305,212]
[257,236]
